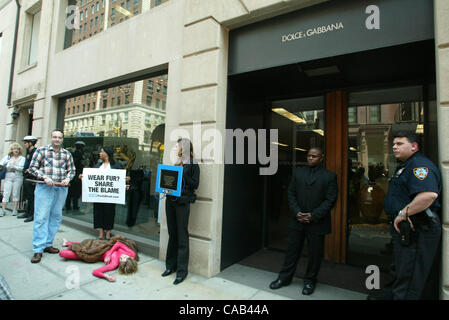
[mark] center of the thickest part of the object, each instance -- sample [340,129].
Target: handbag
[3,173]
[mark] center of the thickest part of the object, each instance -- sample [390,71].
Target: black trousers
[296,240]
[73,194]
[28,193]
[104,215]
[414,262]
[178,236]
[134,197]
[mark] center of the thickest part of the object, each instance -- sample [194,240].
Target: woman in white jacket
[14,163]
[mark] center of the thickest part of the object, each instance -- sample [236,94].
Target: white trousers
[12,184]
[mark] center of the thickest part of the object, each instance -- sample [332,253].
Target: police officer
[413,195]
[28,187]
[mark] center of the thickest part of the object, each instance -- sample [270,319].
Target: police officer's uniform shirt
[28,157]
[417,174]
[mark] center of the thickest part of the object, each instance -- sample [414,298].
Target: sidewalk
[52,278]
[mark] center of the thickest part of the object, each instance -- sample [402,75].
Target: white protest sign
[104,185]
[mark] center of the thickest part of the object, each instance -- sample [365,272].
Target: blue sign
[169,180]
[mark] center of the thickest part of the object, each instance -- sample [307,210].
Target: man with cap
[414,195]
[28,186]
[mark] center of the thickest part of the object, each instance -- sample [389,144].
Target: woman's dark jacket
[190,182]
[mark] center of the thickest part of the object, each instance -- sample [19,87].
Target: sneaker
[2,212]
[14,212]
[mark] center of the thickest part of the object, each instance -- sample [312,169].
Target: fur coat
[92,250]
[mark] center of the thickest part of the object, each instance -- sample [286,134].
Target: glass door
[371,165]
[301,125]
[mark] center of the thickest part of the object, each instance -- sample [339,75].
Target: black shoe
[167,272]
[178,280]
[22,216]
[29,219]
[36,258]
[278,283]
[308,289]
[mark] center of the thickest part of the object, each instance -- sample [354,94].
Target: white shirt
[11,163]
[108,166]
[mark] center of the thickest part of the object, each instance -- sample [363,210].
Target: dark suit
[177,211]
[312,190]
[104,213]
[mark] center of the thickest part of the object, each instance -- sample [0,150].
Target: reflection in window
[135,130]
[374,114]
[370,165]
[112,10]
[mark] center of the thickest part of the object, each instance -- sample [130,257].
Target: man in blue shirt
[413,195]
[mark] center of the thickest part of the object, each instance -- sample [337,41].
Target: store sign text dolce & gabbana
[372,22]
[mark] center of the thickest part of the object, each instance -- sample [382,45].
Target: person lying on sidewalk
[116,253]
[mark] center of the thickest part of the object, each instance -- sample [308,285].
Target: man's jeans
[48,204]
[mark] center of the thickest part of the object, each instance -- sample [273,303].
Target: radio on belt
[169,180]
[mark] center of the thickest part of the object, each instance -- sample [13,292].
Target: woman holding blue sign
[177,210]
[104,213]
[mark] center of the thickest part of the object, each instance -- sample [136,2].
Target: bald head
[314,156]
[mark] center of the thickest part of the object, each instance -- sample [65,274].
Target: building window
[374,114]
[352,115]
[157,103]
[34,37]
[150,86]
[131,133]
[407,111]
[149,100]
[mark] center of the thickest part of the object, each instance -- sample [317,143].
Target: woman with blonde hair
[177,211]
[14,163]
[118,252]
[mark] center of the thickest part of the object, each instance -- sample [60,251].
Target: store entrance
[350,105]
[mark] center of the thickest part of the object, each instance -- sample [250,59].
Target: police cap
[30,138]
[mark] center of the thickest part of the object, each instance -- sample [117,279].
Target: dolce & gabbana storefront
[343,75]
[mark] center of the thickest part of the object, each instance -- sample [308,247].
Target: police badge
[421,173]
